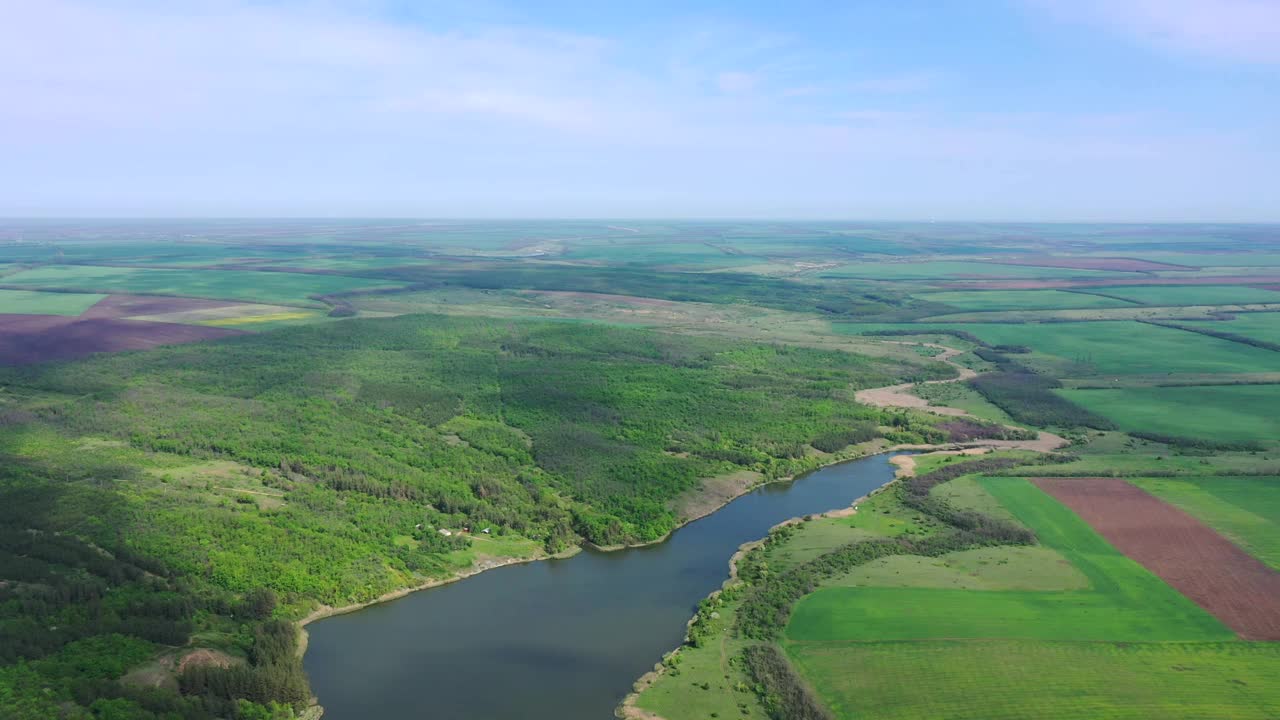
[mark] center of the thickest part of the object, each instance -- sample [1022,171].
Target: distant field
[1219,259]
[344,262]
[1246,509]
[979,300]
[663,253]
[267,287]
[1124,602]
[143,253]
[949,270]
[27,302]
[1131,348]
[1260,326]
[1222,413]
[1167,295]
[1002,680]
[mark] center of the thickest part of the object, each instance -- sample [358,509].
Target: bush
[1029,398]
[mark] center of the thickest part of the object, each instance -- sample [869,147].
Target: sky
[1024,110]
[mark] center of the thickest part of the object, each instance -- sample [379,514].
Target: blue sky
[1055,110]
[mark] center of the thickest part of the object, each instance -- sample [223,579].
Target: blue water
[557,639]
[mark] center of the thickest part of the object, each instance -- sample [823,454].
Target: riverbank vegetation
[151,498]
[833,636]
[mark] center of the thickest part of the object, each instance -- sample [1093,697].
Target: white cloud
[1240,30]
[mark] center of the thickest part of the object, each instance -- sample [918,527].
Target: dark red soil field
[28,339]
[121,306]
[1102,263]
[1258,280]
[1234,586]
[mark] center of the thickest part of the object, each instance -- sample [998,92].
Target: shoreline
[853,452]
[627,709]
[327,611]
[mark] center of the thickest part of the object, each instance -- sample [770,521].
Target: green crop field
[1210,260]
[1222,413]
[343,262]
[1244,509]
[1004,680]
[23,302]
[1131,348]
[1193,294]
[1259,326]
[265,287]
[959,270]
[978,300]
[879,613]
[1124,601]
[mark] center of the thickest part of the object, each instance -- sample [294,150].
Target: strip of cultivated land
[1237,588]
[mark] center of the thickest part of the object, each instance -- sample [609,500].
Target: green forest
[210,491]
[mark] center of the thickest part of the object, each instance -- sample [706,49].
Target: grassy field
[1068,629]
[998,568]
[1211,260]
[1220,413]
[265,287]
[959,270]
[1260,326]
[46,303]
[1193,294]
[1124,602]
[966,492]
[980,300]
[963,397]
[1244,509]
[1003,680]
[1130,348]
[704,682]
[1128,312]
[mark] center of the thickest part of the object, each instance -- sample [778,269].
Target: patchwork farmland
[534,394]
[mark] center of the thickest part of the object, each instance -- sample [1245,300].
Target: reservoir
[555,639]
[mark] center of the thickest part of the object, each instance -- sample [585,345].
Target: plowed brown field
[123,306]
[1234,586]
[36,338]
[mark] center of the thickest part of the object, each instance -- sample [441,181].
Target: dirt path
[899,396]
